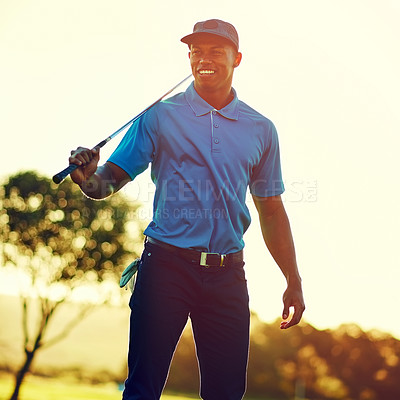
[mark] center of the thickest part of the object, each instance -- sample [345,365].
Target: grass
[35,388]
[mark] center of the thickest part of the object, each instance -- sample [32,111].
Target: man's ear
[238,59]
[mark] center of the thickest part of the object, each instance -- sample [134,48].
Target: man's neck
[216,99]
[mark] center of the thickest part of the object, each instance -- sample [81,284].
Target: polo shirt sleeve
[137,148]
[266,179]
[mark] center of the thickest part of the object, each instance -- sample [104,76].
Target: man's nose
[206,59]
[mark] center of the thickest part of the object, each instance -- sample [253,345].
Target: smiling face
[213,61]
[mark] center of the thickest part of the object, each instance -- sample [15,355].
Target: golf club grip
[58,178]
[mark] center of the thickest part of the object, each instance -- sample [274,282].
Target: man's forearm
[279,240]
[100,185]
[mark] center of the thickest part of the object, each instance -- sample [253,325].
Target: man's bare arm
[96,182]
[278,237]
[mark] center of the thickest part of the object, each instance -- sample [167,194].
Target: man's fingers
[74,160]
[298,313]
[292,298]
[83,156]
[285,313]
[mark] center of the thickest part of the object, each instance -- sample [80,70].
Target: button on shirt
[202,162]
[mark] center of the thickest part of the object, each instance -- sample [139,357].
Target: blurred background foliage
[43,223]
[61,241]
[305,363]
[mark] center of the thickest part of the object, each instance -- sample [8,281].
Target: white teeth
[206,71]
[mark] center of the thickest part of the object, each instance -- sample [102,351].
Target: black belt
[200,257]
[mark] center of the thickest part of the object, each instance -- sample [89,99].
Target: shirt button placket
[215,139]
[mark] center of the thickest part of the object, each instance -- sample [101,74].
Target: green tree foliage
[61,240]
[306,363]
[60,225]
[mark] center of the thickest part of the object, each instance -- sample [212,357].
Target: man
[205,148]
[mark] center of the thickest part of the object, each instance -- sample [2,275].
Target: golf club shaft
[58,178]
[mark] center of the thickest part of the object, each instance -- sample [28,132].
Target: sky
[325,72]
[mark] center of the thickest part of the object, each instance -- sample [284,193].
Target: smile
[206,72]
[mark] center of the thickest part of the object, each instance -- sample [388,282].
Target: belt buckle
[203,258]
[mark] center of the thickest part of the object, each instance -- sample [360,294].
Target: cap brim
[188,39]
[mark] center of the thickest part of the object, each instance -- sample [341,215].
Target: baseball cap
[214,27]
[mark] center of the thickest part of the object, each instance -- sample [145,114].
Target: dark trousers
[168,290]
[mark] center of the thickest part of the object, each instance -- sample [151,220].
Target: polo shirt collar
[201,107]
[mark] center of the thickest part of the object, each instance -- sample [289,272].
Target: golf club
[58,178]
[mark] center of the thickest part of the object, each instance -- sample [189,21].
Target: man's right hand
[87,160]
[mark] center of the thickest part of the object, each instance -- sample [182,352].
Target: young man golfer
[205,147]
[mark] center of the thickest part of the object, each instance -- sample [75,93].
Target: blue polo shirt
[202,162]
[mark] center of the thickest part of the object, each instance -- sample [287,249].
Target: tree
[63,241]
[304,362]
